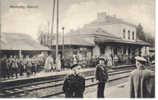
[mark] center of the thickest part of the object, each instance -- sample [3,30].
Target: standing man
[28,66]
[74,84]
[142,83]
[101,76]
[15,66]
[58,63]
[4,67]
[10,61]
[21,65]
[49,63]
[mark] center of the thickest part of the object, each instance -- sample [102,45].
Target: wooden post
[0,35]
[53,14]
[57,28]
[0,24]
[63,44]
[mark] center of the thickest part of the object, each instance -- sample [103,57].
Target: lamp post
[63,43]
[57,28]
[52,24]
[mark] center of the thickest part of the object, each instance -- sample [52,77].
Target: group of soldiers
[14,66]
[141,80]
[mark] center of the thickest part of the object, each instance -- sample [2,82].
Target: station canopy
[17,41]
[102,39]
[77,40]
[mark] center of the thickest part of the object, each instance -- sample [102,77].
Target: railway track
[20,90]
[95,83]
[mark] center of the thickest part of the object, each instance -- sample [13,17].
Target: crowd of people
[14,66]
[74,84]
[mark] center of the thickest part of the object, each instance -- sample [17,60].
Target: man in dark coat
[21,66]
[101,76]
[4,67]
[74,84]
[28,66]
[142,83]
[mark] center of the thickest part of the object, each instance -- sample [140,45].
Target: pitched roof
[17,41]
[75,40]
[111,20]
[114,40]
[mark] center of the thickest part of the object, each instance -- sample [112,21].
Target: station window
[128,34]
[124,33]
[133,35]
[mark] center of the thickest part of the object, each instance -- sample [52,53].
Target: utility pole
[0,27]
[0,33]
[48,35]
[57,28]
[63,43]
[53,14]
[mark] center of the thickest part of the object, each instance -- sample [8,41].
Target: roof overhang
[120,41]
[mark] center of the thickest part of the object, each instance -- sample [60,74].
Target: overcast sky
[73,14]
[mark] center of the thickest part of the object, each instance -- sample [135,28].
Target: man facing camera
[101,76]
[74,84]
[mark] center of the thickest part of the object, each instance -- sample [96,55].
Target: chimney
[114,16]
[101,16]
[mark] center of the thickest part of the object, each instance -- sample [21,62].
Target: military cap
[142,59]
[101,58]
[73,66]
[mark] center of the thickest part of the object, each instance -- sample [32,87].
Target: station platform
[117,91]
[43,74]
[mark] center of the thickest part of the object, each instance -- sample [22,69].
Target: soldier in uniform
[34,65]
[28,66]
[4,67]
[49,63]
[101,76]
[10,61]
[74,84]
[15,66]
[142,81]
[21,66]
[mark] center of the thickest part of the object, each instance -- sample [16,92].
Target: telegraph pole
[53,14]
[48,35]
[63,42]
[0,27]
[0,33]
[57,28]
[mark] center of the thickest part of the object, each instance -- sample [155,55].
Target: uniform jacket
[74,86]
[3,64]
[58,63]
[49,63]
[101,73]
[142,84]
[14,63]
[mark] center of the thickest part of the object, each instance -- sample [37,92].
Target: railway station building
[107,36]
